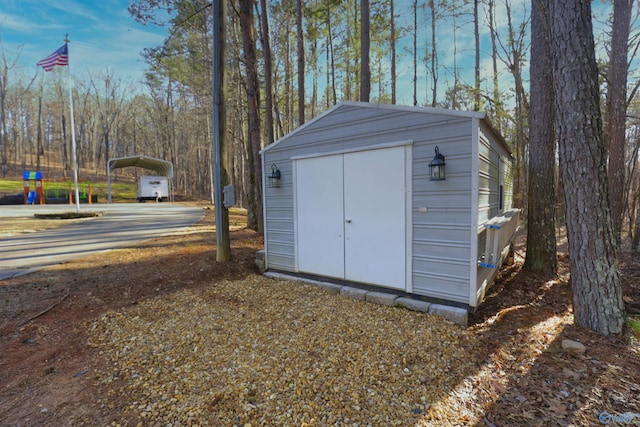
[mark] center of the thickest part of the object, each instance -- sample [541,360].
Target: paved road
[121,224]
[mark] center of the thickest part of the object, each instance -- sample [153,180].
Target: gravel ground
[259,351]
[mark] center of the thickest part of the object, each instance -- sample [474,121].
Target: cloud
[103,35]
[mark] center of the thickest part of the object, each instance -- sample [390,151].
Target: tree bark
[365,41]
[301,73]
[497,102]
[541,200]
[393,50]
[253,104]
[595,279]
[617,106]
[434,56]
[268,70]
[476,33]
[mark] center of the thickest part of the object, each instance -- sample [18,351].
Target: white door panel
[320,227]
[374,200]
[350,216]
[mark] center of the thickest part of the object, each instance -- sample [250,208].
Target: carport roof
[162,167]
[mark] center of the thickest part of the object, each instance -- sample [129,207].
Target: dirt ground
[522,376]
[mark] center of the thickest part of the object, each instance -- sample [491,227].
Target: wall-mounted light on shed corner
[436,167]
[274,177]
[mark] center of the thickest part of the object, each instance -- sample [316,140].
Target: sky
[103,36]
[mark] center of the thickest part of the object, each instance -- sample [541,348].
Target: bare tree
[5,66]
[513,56]
[110,99]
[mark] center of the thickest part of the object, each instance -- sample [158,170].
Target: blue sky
[103,35]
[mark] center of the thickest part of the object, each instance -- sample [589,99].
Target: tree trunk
[415,51]
[65,157]
[253,104]
[39,150]
[617,106]
[365,40]
[497,102]
[595,279]
[476,33]
[268,70]
[393,50]
[301,73]
[516,53]
[331,58]
[434,56]
[541,221]
[3,120]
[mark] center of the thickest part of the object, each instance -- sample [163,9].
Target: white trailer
[153,188]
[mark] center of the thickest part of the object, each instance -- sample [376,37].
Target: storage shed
[350,197]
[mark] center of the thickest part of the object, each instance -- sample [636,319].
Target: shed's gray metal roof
[412,109]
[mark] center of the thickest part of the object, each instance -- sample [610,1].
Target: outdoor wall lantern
[274,177]
[436,167]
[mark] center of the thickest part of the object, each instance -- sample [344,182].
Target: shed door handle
[348,220]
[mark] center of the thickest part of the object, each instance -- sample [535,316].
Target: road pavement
[121,224]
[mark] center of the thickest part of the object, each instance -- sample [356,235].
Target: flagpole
[73,135]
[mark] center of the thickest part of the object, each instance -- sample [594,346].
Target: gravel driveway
[260,351]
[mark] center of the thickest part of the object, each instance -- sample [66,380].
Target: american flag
[59,57]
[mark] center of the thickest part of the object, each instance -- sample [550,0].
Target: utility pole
[223,244]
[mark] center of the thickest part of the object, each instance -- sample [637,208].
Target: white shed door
[351,215]
[374,209]
[320,223]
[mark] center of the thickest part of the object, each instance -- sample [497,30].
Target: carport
[161,167]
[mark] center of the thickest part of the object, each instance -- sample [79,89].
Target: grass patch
[11,186]
[634,326]
[120,192]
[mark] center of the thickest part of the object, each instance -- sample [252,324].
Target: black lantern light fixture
[274,177]
[436,167]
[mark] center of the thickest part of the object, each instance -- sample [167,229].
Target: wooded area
[287,61]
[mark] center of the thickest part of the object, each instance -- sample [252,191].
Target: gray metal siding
[441,211]
[495,167]
[352,127]
[278,219]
